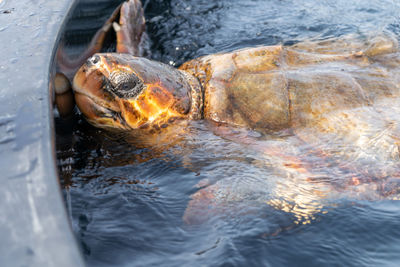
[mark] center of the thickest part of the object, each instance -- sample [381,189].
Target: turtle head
[124,92]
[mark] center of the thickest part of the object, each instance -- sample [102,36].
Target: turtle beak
[89,79]
[98,115]
[90,108]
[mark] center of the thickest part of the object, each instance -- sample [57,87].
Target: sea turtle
[338,99]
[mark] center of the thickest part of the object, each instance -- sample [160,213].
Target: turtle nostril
[93,60]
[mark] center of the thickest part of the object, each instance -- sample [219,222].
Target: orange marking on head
[145,110]
[164,98]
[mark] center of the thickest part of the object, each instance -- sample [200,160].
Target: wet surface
[33,227]
[220,195]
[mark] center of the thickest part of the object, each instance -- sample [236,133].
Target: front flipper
[227,199]
[294,199]
[201,207]
[131,35]
[274,178]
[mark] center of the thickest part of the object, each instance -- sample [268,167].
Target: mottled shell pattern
[276,87]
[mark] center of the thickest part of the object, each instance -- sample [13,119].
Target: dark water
[132,206]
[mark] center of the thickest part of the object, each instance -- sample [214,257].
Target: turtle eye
[125,85]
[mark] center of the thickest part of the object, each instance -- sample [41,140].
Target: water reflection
[239,169]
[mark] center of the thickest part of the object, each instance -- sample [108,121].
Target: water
[220,196]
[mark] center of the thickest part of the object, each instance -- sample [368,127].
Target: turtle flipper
[221,200]
[130,31]
[63,96]
[381,44]
[201,207]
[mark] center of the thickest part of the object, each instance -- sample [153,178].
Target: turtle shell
[277,87]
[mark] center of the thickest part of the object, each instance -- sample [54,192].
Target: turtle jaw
[99,115]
